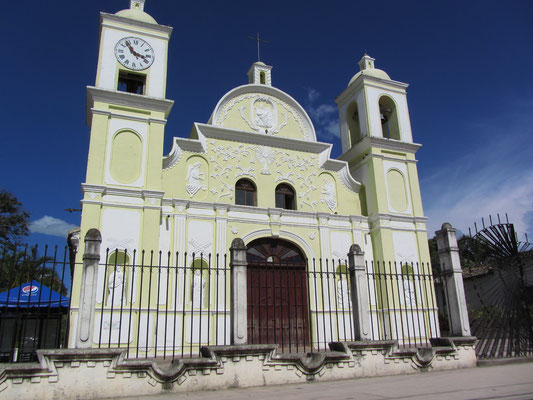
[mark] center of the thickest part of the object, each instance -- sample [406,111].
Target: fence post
[359,291]
[239,316]
[453,274]
[91,258]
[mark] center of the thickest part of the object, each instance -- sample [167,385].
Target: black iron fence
[34,301]
[162,305]
[403,304]
[169,305]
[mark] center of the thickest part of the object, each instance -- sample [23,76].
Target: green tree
[20,263]
[13,220]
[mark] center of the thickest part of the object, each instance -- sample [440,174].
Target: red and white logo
[30,288]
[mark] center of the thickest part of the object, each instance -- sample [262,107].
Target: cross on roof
[258,40]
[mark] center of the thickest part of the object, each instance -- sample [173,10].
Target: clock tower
[126,112]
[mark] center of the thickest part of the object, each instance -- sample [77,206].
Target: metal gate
[499,291]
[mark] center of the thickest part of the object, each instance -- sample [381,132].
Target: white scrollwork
[221,173]
[309,188]
[234,230]
[266,156]
[328,194]
[195,179]
[245,171]
[284,177]
[228,152]
[263,116]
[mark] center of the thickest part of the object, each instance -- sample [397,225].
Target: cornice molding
[380,143]
[132,100]
[128,117]
[106,17]
[366,80]
[115,191]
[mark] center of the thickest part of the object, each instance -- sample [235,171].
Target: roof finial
[258,40]
[137,5]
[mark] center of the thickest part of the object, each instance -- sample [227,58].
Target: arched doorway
[278,310]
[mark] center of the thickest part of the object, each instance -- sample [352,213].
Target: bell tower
[378,145]
[127,112]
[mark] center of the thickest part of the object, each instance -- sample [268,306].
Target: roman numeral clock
[134,53]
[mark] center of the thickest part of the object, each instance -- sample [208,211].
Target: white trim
[104,17]
[267,233]
[132,100]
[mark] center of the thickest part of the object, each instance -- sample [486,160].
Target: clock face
[134,53]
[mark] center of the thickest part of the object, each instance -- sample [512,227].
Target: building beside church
[253,171]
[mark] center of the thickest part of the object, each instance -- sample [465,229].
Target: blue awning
[31,295]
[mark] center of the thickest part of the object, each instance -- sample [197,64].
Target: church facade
[254,170]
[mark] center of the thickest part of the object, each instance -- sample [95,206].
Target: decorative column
[91,258]
[239,316]
[453,277]
[359,291]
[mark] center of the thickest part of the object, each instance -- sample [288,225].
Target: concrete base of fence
[95,373]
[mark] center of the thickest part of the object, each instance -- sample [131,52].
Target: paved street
[511,381]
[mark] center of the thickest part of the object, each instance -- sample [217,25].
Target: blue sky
[469,66]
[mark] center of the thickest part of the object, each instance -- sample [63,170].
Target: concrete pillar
[450,264]
[359,291]
[239,316]
[91,258]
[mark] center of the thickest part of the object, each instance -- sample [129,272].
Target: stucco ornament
[263,116]
[195,179]
[328,194]
[115,286]
[343,293]
[266,156]
[198,289]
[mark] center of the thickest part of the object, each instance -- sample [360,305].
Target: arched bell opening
[389,118]
[278,311]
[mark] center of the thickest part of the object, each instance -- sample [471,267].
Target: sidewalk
[511,381]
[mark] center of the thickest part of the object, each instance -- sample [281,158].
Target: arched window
[262,78]
[389,118]
[354,125]
[285,197]
[245,193]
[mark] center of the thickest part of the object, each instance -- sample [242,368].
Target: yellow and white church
[254,170]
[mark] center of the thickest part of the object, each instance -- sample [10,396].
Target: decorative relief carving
[309,187]
[221,173]
[244,172]
[264,114]
[312,235]
[329,195]
[199,248]
[266,156]
[195,179]
[285,177]
[92,195]
[234,230]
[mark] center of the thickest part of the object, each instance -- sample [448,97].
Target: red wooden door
[277,295]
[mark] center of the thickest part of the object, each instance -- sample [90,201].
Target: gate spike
[490,218]
[507,217]
[483,222]
[475,226]
[499,218]
[527,240]
[469,232]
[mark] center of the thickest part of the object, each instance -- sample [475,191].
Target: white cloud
[496,177]
[324,116]
[51,226]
